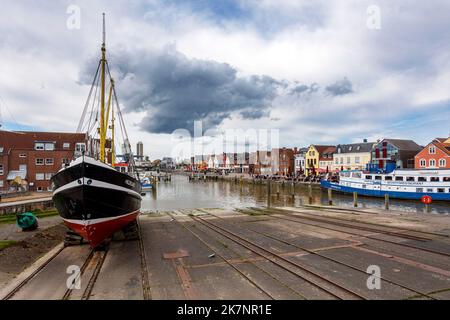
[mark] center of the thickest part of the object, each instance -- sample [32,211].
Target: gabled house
[317,154]
[353,156]
[394,153]
[436,155]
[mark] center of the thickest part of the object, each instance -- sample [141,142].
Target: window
[50,146]
[442,163]
[419,190]
[342,160]
[441,190]
[80,147]
[39,161]
[429,190]
[48,176]
[22,167]
[40,176]
[421,179]
[49,161]
[432,150]
[409,178]
[369,177]
[40,189]
[446,179]
[336,161]
[66,145]
[356,159]
[358,148]
[388,178]
[350,148]
[22,155]
[423,163]
[377,177]
[432,163]
[434,179]
[398,178]
[1,170]
[39,146]
[348,160]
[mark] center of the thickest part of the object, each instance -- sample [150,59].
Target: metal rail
[321,255]
[144,269]
[242,241]
[223,258]
[356,234]
[32,275]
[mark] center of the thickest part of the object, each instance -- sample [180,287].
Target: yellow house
[317,155]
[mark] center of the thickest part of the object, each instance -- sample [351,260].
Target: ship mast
[102,96]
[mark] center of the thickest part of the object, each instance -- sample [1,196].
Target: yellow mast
[102,98]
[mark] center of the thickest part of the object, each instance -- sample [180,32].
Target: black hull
[94,199]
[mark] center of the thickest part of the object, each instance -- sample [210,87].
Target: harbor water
[179,193]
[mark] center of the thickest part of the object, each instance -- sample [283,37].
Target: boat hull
[95,200]
[381,193]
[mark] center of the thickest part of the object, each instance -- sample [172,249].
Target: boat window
[441,190]
[429,190]
[398,178]
[356,174]
[422,179]
[446,179]
[377,177]
[420,190]
[388,178]
[369,177]
[434,179]
[409,178]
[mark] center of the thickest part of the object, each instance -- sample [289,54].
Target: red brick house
[436,155]
[29,159]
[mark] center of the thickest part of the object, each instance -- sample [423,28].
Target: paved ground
[291,253]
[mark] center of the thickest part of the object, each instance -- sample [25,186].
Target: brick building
[29,159]
[436,155]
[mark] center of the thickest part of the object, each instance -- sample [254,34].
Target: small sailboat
[94,195]
[146,184]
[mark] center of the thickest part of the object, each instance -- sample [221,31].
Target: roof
[442,144]
[404,144]
[322,148]
[356,147]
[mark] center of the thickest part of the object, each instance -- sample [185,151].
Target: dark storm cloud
[340,88]
[175,91]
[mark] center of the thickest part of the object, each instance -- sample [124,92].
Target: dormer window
[432,150]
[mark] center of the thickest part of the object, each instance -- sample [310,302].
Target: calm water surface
[182,194]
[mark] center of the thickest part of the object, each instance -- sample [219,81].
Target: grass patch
[6,243]
[11,218]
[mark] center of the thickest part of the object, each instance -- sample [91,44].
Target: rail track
[329,287]
[90,269]
[296,219]
[419,293]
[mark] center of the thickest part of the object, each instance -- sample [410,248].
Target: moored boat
[399,184]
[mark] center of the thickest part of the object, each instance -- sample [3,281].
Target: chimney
[365,140]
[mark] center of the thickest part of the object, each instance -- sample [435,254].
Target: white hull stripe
[95,183]
[91,222]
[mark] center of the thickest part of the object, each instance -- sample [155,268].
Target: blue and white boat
[146,184]
[399,184]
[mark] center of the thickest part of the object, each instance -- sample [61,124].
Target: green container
[27,221]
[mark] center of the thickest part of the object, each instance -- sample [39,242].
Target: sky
[322,71]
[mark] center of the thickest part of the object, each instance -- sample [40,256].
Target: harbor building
[140,151]
[29,159]
[282,161]
[353,156]
[316,155]
[300,161]
[389,154]
[436,155]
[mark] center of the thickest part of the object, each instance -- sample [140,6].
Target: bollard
[386,201]
[355,199]
[268,193]
[310,196]
[330,197]
[293,190]
[427,208]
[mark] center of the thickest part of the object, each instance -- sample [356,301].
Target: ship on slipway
[95,194]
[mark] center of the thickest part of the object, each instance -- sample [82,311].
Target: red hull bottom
[97,230]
